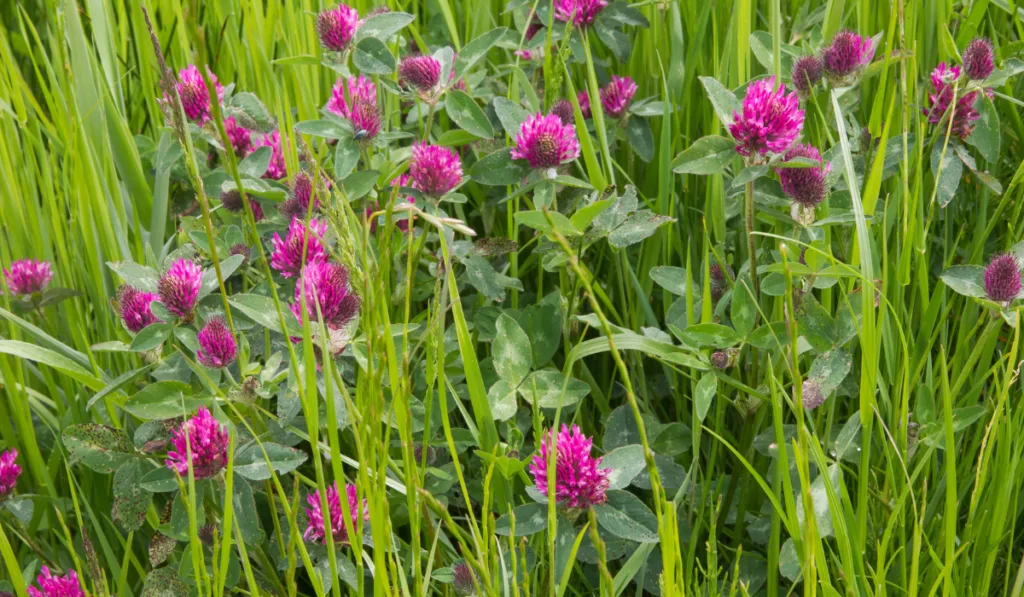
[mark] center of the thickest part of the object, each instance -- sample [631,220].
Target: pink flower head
[336,27]
[435,170]
[1002,278]
[9,472]
[770,122]
[301,194]
[563,110]
[939,103]
[617,95]
[846,56]
[806,73]
[359,89]
[195,97]
[206,439]
[422,73]
[544,142]
[56,586]
[404,181]
[324,285]
[316,531]
[579,483]
[583,99]
[578,12]
[287,257]
[28,276]
[365,121]
[979,59]
[216,344]
[240,137]
[805,186]
[179,288]
[257,210]
[276,169]
[134,307]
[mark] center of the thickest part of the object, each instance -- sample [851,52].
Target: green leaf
[743,308]
[475,50]
[164,582]
[638,226]
[625,463]
[530,518]
[546,386]
[947,170]
[163,400]
[986,136]
[227,267]
[467,114]
[151,337]
[371,56]
[121,381]
[542,323]
[254,115]
[641,139]
[130,500]
[256,163]
[829,369]
[671,278]
[704,394]
[327,129]
[538,221]
[819,498]
[359,184]
[101,448]
[510,114]
[725,102]
[159,480]
[968,280]
[45,356]
[261,309]
[346,157]
[611,34]
[710,334]
[246,513]
[707,155]
[498,169]
[382,26]
[251,464]
[492,284]
[586,214]
[511,350]
[626,517]
[139,276]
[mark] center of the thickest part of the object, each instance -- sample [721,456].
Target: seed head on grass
[287,257]
[770,122]
[579,483]
[134,307]
[316,531]
[217,347]
[50,585]
[28,276]
[9,472]
[1002,278]
[207,440]
[179,288]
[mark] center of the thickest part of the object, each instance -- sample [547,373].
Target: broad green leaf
[968,280]
[624,463]
[476,49]
[707,155]
[704,394]
[530,518]
[382,25]
[510,114]
[626,517]
[101,448]
[725,102]
[467,114]
[499,169]
[502,398]
[710,334]
[947,169]
[251,464]
[163,400]
[671,278]
[371,56]
[130,500]
[511,350]
[546,387]
[491,283]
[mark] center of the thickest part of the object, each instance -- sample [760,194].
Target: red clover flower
[179,288]
[435,170]
[770,122]
[28,276]
[579,483]
[134,307]
[287,257]
[1002,278]
[56,586]
[9,472]
[207,440]
[217,347]
[336,27]
[545,143]
[316,529]
[617,95]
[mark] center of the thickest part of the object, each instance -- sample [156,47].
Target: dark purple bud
[807,73]
[979,59]
[1002,278]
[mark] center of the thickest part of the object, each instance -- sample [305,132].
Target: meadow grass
[912,466]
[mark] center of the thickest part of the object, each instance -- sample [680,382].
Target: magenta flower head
[257,210]
[463,579]
[179,288]
[805,186]
[336,27]
[206,439]
[28,276]
[324,285]
[316,530]
[545,143]
[847,56]
[56,586]
[9,472]
[770,122]
[807,73]
[287,257]
[617,95]
[579,12]
[579,483]
[240,137]
[939,102]
[1002,278]
[133,305]
[435,170]
[583,98]
[276,169]
[359,89]
[563,110]
[301,194]
[217,347]
[421,73]
[979,59]
[195,97]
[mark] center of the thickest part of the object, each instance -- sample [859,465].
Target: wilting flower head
[208,442]
[813,397]
[846,56]
[240,137]
[463,581]
[179,288]
[583,98]
[195,97]
[1002,278]
[979,59]
[336,27]
[563,110]
[422,73]
[719,280]
[257,210]
[134,307]
[276,169]
[231,199]
[404,181]
[805,186]
[56,586]
[578,12]
[579,483]
[770,122]
[301,194]
[720,359]
[435,170]
[964,115]
[287,257]
[316,530]
[28,276]
[324,284]
[9,472]
[360,90]
[544,142]
[617,95]
[243,250]
[216,344]
[806,73]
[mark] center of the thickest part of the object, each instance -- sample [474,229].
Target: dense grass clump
[528,298]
